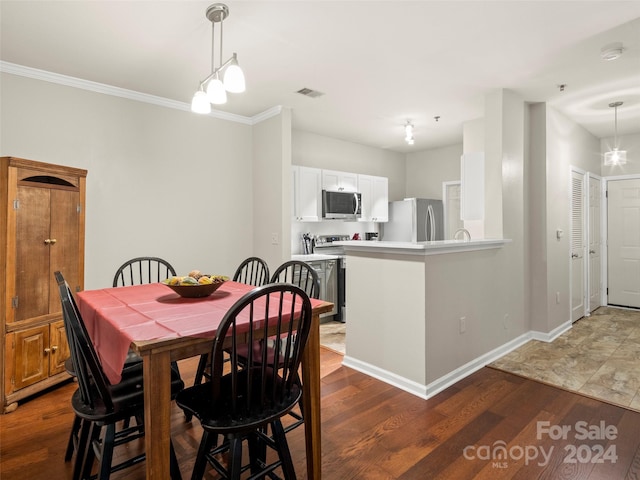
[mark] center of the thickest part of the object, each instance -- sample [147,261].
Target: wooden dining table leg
[311,403]
[157,413]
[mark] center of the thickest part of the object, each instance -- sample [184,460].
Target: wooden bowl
[196,291]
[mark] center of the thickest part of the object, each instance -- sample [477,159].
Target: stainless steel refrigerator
[414,220]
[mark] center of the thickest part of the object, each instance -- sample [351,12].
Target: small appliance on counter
[308,244]
[371,236]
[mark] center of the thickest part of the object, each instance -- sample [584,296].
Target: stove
[324,245]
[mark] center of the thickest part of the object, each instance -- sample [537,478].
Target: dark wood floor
[374,431]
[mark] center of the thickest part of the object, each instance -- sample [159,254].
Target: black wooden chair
[252,271]
[256,392]
[141,270]
[101,405]
[304,276]
[300,274]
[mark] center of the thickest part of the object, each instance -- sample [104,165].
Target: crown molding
[45,76]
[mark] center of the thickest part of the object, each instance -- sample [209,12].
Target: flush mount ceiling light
[227,77]
[611,51]
[408,130]
[615,156]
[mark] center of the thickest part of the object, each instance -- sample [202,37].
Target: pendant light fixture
[227,77]
[615,156]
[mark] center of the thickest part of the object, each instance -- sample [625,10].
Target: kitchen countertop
[421,248]
[314,257]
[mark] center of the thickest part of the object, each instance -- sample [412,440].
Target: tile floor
[332,335]
[598,357]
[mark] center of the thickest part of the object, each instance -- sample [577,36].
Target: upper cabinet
[306,190]
[339,181]
[375,198]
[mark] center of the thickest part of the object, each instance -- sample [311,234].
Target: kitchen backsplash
[327,227]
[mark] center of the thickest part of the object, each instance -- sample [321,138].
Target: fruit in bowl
[195,284]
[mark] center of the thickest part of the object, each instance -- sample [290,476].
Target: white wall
[161,182]
[318,151]
[427,169]
[557,143]
[271,186]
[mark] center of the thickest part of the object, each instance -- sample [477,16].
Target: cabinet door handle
[574,255]
[53,240]
[592,251]
[54,348]
[50,241]
[47,350]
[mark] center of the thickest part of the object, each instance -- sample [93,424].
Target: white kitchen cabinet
[307,191]
[375,198]
[339,181]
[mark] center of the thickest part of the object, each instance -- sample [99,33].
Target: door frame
[445,186]
[603,249]
[605,233]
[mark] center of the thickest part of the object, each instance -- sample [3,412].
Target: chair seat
[217,416]
[127,397]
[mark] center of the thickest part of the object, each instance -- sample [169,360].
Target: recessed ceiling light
[612,51]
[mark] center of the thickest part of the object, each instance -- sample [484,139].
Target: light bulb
[200,103]
[234,77]
[615,157]
[216,92]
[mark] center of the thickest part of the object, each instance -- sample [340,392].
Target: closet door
[578,283]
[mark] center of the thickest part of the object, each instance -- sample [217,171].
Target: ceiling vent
[307,92]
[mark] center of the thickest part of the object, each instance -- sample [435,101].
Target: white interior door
[594,277]
[623,233]
[578,283]
[451,196]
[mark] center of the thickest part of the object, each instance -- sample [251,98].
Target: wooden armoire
[42,209]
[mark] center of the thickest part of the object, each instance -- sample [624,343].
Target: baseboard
[435,387]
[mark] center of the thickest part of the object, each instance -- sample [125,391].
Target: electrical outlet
[463,324]
[274,239]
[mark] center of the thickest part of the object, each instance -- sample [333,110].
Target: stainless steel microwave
[342,205]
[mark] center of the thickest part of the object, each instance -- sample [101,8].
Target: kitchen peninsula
[423,315]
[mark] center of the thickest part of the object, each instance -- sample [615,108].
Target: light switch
[559,233]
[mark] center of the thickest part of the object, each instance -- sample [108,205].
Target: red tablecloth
[117,316]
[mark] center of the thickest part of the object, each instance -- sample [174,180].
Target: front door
[623,232]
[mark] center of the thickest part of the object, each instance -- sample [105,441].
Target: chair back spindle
[141,270]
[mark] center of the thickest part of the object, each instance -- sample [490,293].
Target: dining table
[162,327]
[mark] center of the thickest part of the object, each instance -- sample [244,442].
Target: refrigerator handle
[429,225]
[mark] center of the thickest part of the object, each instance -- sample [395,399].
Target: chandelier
[226,77]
